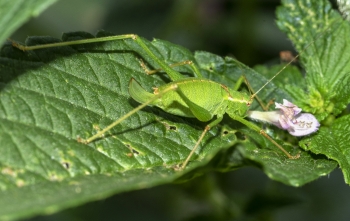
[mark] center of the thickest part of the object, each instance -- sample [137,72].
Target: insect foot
[81,140]
[16,45]
[288,117]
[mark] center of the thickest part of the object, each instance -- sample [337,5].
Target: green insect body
[195,98]
[198,98]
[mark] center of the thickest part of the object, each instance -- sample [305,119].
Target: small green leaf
[293,172]
[333,142]
[14,13]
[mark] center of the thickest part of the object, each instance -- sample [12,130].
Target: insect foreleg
[207,128]
[262,132]
[242,79]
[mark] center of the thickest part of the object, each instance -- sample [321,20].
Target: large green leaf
[14,13]
[321,35]
[50,97]
[323,41]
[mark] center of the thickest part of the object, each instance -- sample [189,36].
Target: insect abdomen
[209,95]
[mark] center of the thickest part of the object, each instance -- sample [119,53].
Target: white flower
[288,117]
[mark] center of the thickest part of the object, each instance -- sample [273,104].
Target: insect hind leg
[174,75]
[190,63]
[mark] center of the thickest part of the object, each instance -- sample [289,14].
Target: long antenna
[291,61]
[284,67]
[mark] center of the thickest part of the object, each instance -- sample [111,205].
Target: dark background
[241,28]
[244,29]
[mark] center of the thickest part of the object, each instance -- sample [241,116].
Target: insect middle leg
[207,128]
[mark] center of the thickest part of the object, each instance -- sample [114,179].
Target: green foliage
[326,59]
[327,82]
[50,97]
[333,141]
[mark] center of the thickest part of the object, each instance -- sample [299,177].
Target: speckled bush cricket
[200,98]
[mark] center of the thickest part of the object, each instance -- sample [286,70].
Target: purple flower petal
[289,109]
[306,124]
[288,117]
